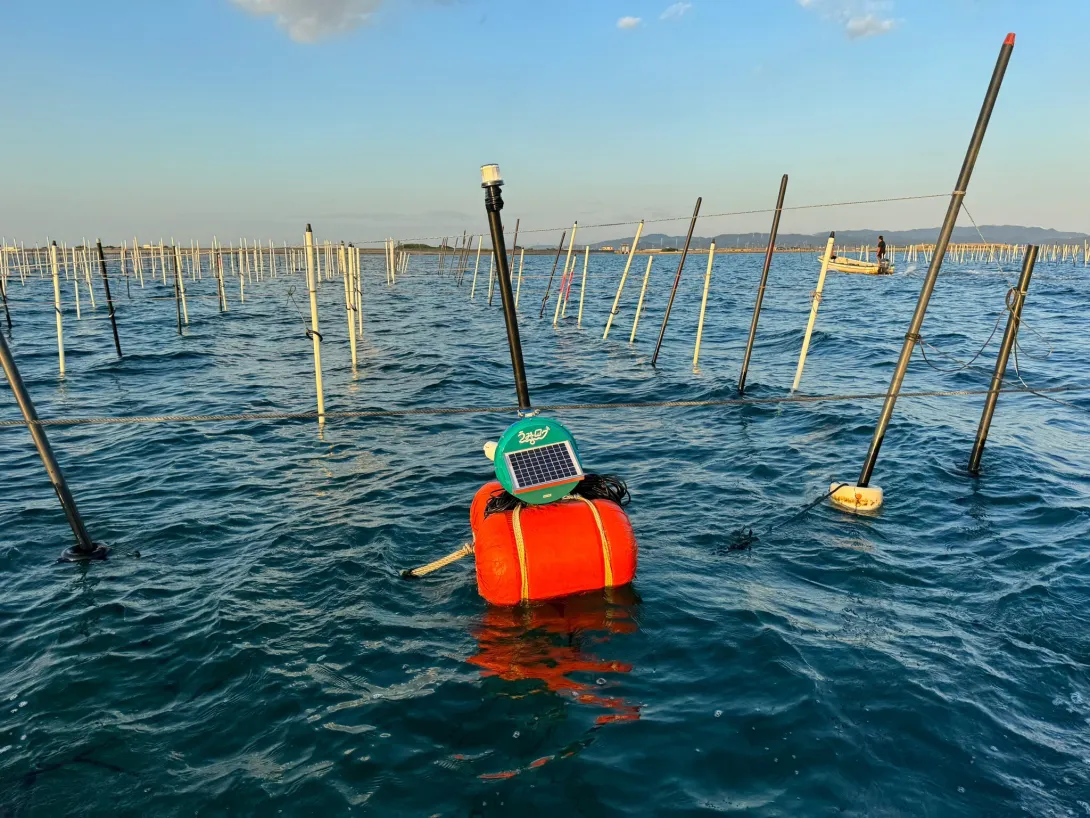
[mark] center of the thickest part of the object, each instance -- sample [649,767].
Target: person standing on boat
[881,250]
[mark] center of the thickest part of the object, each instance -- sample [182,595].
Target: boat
[851,265]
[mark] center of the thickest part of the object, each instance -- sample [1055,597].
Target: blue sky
[371,117]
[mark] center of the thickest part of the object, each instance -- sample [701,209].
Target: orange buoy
[550,551]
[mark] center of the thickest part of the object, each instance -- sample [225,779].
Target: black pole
[109,300]
[1010,337]
[677,280]
[956,199]
[764,282]
[4,292]
[84,549]
[549,288]
[494,204]
[177,303]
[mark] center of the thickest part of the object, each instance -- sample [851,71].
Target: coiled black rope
[592,487]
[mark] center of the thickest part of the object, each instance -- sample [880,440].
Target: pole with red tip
[858,496]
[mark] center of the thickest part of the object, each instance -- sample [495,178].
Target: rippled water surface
[263,657]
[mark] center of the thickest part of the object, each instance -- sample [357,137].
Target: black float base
[75,555]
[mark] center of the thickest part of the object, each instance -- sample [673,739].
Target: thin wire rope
[1011,291]
[666,219]
[496,410]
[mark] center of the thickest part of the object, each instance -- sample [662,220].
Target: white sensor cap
[490,175]
[490,450]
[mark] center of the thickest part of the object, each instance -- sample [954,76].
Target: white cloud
[868,26]
[629,23]
[860,18]
[675,11]
[308,21]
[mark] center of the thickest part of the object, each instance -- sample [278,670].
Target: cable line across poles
[439,411]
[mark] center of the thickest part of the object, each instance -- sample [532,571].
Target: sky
[371,118]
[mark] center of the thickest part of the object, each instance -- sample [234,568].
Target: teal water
[262,656]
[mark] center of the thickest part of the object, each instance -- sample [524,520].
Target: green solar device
[537,461]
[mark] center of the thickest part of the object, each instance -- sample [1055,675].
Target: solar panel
[550,465]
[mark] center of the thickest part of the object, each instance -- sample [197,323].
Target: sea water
[262,655]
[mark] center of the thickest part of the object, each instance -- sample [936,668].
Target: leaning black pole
[862,495]
[492,182]
[109,300]
[1010,338]
[4,294]
[549,287]
[84,549]
[761,288]
[677,280]
[913,335]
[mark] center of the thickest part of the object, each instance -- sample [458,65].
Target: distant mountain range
[997,234]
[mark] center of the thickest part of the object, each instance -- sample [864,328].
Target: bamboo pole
[583,285]
[124,271]
[639,304]
[514,244]
[522,260]
[313,331]
[87,273]
[138,261]
[704,305]
[4,284]
[57,304]
[814,305]
[624,277]
[552,274]
[75,286]
[564,279]
[476,268]
[220,284]
[359,293]
[348,298]
[566,291]
[181,282]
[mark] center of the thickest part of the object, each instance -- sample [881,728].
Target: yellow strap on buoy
[520,546]
[432,567]
[607,552]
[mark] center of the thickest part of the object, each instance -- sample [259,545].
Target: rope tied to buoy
[432,567]
[743,539]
